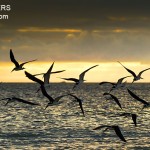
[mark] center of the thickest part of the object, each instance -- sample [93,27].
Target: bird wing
[24,101]
[130,71]
[100,127]
[137,98]
[47,74]
[71,79]
[116,100]
[44,92]
[27,62]
[134,117]
[121,79]
[38,74]
[119,134]
[81,76]
[80,102]
[140,73]
[104,82]
[33,78]
[59,97]
[57,71]
[12,58]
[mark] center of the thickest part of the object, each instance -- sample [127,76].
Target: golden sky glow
[104,72]
[36,29]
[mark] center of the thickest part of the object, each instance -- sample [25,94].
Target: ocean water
[62,126]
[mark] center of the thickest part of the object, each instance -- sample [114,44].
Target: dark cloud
[107,30]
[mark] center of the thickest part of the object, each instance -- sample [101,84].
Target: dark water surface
[63,126]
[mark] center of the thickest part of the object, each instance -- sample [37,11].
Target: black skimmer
[110,96]
[79,101]
[117,85]
[115,128]
[17,65]
[135,77]
[133,116]
[146,104]
[81,77]
[47,75]
[12,99]
[52,101]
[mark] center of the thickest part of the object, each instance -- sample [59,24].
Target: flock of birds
[80,80]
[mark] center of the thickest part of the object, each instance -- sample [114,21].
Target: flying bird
[135,77]
[17,65]
[52,101]
[79,101]
[146,104]
[81,77]
[112,97]
[115,128]
[116,85]
[133,116]
[47,74]
[12,99]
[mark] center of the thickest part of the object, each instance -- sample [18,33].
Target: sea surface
[63,126]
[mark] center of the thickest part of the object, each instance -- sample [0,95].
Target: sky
[76,34]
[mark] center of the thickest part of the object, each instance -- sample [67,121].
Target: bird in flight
[47,74]
[117,85]
[115,128]
[81,77]
[17,65]
[52,101]
[133,116]
[135,77]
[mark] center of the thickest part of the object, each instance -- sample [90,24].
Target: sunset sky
[76,34]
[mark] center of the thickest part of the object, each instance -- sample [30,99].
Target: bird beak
[12,70]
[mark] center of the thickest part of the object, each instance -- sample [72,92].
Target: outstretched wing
[137,98]
[27,62]
[47,74]
[71,79]
[102,126]
[119,134]
[121,79]
[44,92]
[116,100]
[130,71]
[24,101]
[81,76]
[134,117]
[12,58]
[140,73]
[104,82]
[33,78]
[80,102]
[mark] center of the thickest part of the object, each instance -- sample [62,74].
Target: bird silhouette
[17,65]
[115,128]
[135,77]
[81,77]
